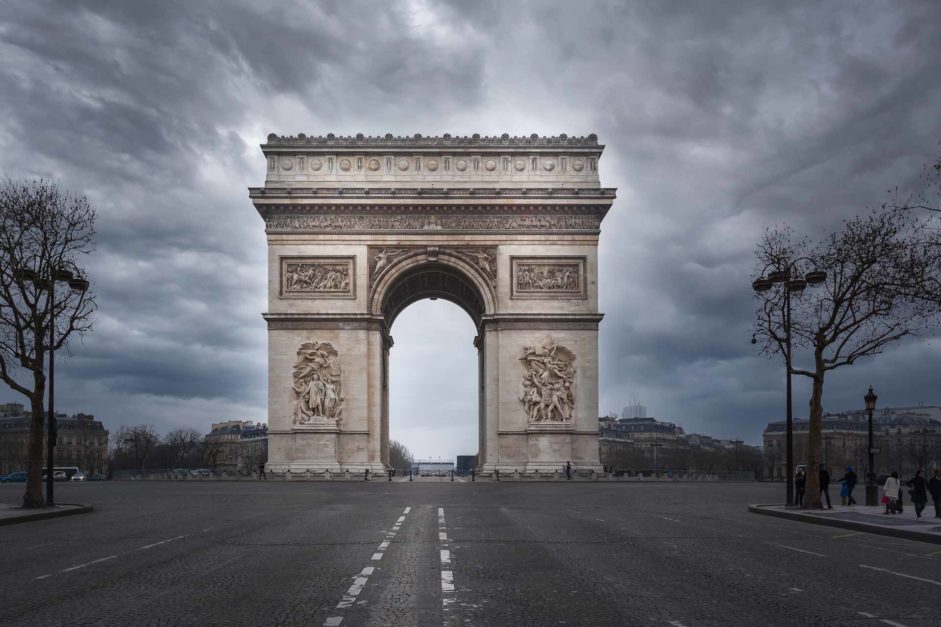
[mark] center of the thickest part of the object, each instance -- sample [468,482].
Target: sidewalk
[862,518]
[13,514]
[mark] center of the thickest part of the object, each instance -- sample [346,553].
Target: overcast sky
[720,119]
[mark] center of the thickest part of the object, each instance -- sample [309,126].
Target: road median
[862,518]
[15,514]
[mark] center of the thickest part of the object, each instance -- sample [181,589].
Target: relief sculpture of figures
[318,397]
[547,385]
[316,278]
[549,278]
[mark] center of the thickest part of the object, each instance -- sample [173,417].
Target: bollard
[473,473]
[409,475]
[390,474]
[498,473]
[367,475]
[452,475]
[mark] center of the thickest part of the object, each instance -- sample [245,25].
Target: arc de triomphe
[360,227]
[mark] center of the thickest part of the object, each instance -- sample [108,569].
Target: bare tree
[44,233]
[882,283]
[182,444]
[137,442]
[399,456]
[211,449]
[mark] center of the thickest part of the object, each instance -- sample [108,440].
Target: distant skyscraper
[634,411]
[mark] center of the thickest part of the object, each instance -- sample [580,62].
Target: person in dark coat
[825,484]
[934,489]
[800,482]
[849,480]
[918,492]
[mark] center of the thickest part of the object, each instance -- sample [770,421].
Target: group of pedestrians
[919,490]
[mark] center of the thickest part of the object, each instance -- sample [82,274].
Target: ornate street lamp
[872,490]
[76,284]
[793,283]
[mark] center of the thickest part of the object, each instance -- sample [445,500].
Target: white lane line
[795,589]
[103,559]
[665,518]
[892,622]
[43,576]
[792,548]
[676,623]
[147,546]
[447,571]
[847,535]
[892,572]
[360,580]
[866,614]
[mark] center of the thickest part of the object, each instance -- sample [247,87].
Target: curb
[42,515]
[906,534]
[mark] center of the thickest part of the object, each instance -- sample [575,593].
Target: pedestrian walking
[918,491]
[568,470]
[934,489]
[800,482]
[891,492]
[825,484]
[849,481]
[261,472]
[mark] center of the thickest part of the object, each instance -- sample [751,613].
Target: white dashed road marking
[447,572]
[360,580]
[147,546]
[892,572]
[792,548]
[103,559]
[883,620]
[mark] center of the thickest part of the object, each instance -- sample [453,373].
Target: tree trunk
[814,437]
[34,496]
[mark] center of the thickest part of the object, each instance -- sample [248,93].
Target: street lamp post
[814,278]
[872,490]
[656,466]
[735,443]
[58,275]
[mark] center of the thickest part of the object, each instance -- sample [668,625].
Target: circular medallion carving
[345,165]
[520,165]
[549,165]
[287,164]
[374,164]
[461,165]
[403,164]
[432,164]
[491,165]
[316,165]
[578,166]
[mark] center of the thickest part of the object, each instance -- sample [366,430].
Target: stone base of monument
[350,472]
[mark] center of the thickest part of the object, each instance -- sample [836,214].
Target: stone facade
[80,440]
[236,446]
[361,227]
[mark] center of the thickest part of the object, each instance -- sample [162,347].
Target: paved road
[441,553]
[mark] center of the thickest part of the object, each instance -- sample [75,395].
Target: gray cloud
[720,119]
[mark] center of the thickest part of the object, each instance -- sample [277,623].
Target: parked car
[97,477]
[14,477]
[201,472]
[79,476]
[57,475]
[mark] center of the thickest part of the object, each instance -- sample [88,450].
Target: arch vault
[360,227]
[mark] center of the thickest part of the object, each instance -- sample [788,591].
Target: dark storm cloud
[720,119]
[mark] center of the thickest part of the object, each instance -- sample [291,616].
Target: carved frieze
[318,391]
[314,223]
[548,383]
[548,277]
[318,277]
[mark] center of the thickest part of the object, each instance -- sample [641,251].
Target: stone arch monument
[361,227]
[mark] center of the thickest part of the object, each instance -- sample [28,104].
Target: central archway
[412,275]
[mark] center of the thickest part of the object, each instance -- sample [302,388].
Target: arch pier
[359,228]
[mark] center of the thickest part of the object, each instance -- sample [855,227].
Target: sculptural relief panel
[548,383]
[318,277]
[317,390]
[548,277]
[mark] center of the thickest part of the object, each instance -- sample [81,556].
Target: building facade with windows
[81,440]
[237,446]
[907,438]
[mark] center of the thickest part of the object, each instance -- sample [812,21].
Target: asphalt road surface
[441,553]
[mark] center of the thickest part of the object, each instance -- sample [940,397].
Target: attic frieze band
[383,222]
[432,193]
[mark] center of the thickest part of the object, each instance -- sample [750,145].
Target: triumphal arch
[361,227]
